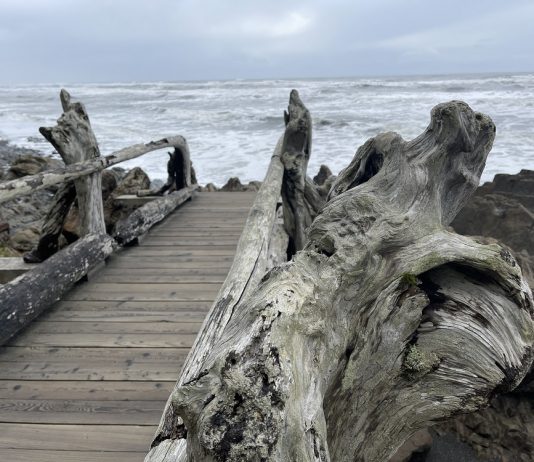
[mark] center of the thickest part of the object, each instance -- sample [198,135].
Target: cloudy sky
[141,40]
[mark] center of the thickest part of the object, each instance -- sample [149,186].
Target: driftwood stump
[180,173]
[384,323]
[75,142]
[301,198]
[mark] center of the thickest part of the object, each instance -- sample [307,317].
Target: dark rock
[135,180]
[520,187]
[210,187]
[322,175]
[233,184]
[253,186]
[25,239]
[30,165]
[498,216]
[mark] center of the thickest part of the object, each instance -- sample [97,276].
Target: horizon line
[259,79]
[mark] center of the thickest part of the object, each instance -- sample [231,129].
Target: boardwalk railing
[24,298]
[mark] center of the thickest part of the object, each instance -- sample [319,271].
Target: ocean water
[232,126]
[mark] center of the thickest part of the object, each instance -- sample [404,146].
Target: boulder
[322,175]
[253,186]
[30,164]
[499,216]
[210,187]
[135,180]
[25,239]
[233,184]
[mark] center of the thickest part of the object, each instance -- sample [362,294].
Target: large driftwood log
[75,142]
[384,323]
[29,184]
[300,195]
[146,216]
[250,264]
[26,297]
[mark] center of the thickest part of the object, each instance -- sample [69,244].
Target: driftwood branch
[384,323]
[300,195]
[74,140]
[29,184]
[26,297]
[250,264]
[178,173]
[146,216]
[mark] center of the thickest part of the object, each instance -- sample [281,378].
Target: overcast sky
[146,40]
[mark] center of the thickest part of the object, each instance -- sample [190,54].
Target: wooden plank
[95,370]
[126,356]
[61,411]
[163,261]
[133,305]
[211,252]
[47,327]
[200,232]
[106,340]
[193,243]
[125,316]
[25,455]
[84,390]
[165,275]
[118,438]
[145,292]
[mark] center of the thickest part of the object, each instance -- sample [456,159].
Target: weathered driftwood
[24,298]
[75,142]
[384,322]
[53,224]
[301,199]
[178,173]
[249,266]
[146,216]
[29,184]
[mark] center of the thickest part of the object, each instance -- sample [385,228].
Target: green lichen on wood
[419,362]
[409,279]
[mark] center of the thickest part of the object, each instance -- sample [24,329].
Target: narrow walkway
[87,382]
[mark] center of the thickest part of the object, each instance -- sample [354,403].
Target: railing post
[75,141]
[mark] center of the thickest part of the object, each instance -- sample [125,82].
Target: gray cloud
[124,40]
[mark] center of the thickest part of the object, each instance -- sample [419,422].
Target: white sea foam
[232,126]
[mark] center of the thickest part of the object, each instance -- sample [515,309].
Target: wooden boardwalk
[87,381]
